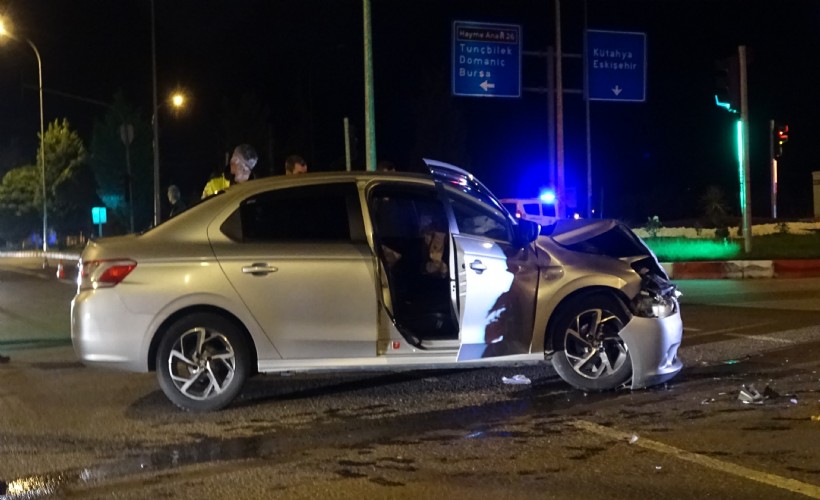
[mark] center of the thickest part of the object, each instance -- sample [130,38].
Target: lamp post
[4,32]
[177,101]
[154,124]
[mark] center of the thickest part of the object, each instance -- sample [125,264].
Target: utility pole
[746,190]
[560,191]
[773,166]
[369,100]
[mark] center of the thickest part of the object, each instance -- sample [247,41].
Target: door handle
[478,266]
[259,269]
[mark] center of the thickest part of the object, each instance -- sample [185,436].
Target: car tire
[202,362]
[589,353]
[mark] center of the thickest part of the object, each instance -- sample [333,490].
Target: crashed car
[371,270]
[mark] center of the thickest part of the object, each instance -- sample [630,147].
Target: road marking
[730,330]
[688,329]
[762,337]
[781,482]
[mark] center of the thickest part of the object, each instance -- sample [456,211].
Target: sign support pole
[745,195]
[588,123]
[561,207]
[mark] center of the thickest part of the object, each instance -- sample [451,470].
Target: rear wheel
[202,362]
[589,352]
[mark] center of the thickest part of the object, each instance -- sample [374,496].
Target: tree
[69,198]
[714,206]
[19,209]
[21,192]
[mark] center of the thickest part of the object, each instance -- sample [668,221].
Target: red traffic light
[782,133]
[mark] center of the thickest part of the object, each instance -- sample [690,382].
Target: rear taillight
[104,273]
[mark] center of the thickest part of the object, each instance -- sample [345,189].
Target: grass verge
[769,247]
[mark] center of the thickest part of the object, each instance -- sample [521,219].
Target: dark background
[301,63]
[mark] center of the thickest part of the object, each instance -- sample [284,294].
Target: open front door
[497,281]
[414,247]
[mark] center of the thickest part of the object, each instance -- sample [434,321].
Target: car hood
[604,237]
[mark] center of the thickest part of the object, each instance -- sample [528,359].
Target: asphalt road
[67,431]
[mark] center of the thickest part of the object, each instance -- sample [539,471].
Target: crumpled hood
[602,236]
[607,237]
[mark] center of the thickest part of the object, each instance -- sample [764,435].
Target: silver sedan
[371,270]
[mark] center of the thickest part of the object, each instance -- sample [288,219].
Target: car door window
[325,213]
[476,218]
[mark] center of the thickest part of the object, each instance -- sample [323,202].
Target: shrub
[653,225]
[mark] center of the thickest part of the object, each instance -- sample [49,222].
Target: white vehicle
[531,209]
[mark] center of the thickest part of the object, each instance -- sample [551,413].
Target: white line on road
[762,337]
[781,482]
[730,330]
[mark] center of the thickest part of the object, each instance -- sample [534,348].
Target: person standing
[238,170]
[175,198]
[295,164]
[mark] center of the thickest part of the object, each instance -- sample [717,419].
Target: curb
[743,269]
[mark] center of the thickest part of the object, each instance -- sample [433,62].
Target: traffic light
[781,137]
[782,134]
[727,84]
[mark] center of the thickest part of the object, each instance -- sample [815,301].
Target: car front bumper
[653,345]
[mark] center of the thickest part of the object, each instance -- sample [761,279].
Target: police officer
[239,170]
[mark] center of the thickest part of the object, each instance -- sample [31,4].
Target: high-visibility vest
[215,185]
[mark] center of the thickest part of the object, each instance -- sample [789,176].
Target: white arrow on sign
[617,90]
[486,85]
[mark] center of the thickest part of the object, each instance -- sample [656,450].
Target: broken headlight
[649,305]
[657,298]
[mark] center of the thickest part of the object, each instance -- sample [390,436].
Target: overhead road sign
[486,59]
[616,66]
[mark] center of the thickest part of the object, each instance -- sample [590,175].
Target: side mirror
[526,231]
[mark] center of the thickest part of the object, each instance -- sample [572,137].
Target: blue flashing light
[547,197]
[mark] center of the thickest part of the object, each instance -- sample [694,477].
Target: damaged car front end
[624,330]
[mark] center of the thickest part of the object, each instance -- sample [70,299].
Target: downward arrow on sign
[617,90]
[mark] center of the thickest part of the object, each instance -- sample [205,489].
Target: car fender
[552,294]
[233,306]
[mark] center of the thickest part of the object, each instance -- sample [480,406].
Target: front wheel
[202,362]
[589,352]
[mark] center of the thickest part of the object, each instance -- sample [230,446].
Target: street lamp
[5,32]
[177,101]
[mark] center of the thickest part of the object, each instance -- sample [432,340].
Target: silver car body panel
[188,262]
[653,345]
[340,277]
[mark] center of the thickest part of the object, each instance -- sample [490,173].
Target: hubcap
[202,363]
[592,344]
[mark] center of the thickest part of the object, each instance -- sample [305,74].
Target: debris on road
[516,380]
[633,439]
[750,395]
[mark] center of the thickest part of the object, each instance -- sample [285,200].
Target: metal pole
[347,143]
[154,120]
[773,166]
[42,152]
[588,123]
[559,117]
[551,114]
[369,101]
[130,184]
[744,124]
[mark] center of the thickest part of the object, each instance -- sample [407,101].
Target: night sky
[302,61]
